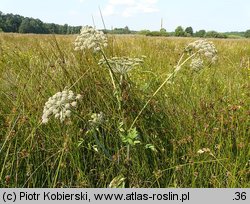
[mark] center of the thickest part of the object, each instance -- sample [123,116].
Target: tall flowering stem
[111,72]
[121,66]
[94,40]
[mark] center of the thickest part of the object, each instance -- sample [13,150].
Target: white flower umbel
[205,53]
[204,47]
[97,119]
[196,64]
[203,150]
[60,105]
[90,39]
[122,65]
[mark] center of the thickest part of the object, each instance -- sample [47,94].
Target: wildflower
[74,104]
[196,64]
[122,65]
[90,39]
[204,47]
[204,50]
[203,150]
[60,105]
[200,151]
[79,97]
[97,119]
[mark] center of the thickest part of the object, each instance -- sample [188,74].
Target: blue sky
[219,15]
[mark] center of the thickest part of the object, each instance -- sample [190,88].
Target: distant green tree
[30,25]
[17,23]
[126,30]
[65,29]
[179,32]
[235,34]
[77,29]
[53,28]
[25,26]
[163,30]
[143,32]
[200,34]
[1,20]
[247,34]
[157,33]
[214,34]
[121,30]
[189,30]
[11,22]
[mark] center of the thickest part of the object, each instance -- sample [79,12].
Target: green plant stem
[105,151]
[112,74]
[79,79]
[128,152]
[176,70]
[58,168]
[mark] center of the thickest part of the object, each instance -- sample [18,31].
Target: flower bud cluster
[90,39]
[97,119]
[203,47]
[205,50]
[203,150]
[60,105]
[196,64]
[122,65]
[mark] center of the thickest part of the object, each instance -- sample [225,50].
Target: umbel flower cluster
[97,119]
[205,51]
[197,64]
[90,39]
[60,105]
[122,65]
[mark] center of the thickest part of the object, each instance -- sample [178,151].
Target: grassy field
[195,132]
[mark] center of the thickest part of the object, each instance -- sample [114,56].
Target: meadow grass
[208,109]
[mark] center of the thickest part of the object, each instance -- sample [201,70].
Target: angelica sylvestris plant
[196,54]
[90,39]
[122,66]
[60,105]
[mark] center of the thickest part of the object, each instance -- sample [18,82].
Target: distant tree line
[189,32]
[247,34]
[181,32]
[124,30]
[19,24]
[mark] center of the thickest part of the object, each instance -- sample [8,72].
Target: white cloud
[128,8]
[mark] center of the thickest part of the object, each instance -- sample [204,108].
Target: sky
[218,15]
